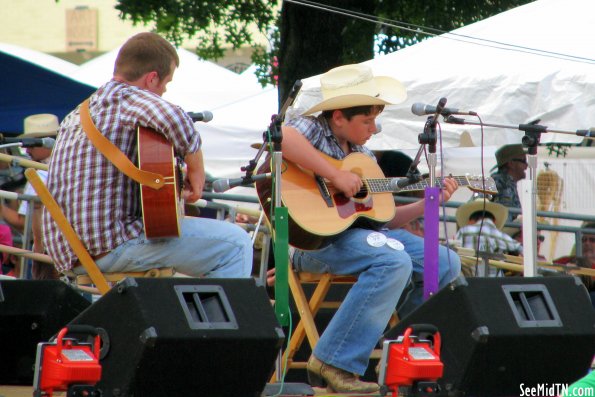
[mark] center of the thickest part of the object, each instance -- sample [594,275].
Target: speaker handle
[81,329]
[417,329]
[78,329]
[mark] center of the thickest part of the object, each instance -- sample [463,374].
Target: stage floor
[27,391]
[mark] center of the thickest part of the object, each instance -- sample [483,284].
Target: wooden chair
[94,276]
[308,309]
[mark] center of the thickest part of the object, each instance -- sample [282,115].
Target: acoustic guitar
[317,211]
[163,208]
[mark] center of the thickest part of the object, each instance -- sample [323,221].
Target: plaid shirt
[320,135]
[491,240]
[100,202]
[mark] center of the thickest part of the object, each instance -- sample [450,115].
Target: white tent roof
[505,85]
[197,85]
[227,139]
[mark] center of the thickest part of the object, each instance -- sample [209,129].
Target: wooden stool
[308,309]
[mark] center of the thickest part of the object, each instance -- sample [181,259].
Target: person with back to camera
[480,225]
[103,205]
[382,259]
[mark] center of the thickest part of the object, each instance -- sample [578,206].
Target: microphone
[396,184]
[205,116]
[222,185]
[31,142]
[590,133]
[421,109]
[378,128]
[6,194]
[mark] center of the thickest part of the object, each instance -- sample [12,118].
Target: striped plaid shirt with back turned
[101,203]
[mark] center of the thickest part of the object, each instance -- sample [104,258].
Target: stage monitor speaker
[185,337]
[32,311]
[500,334]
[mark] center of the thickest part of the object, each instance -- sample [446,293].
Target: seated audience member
[35,126]
[9,265]
[511,162]
[517,234]
[480,227]
[587,259]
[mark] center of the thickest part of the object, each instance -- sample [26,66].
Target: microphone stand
[528,186]
[281,216]
[280,234]
[431,195]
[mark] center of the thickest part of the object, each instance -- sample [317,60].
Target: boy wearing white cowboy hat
[383,260]
[480,227]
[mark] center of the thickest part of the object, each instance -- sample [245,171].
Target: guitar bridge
[324,192]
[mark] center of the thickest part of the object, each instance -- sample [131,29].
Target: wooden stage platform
[27,391]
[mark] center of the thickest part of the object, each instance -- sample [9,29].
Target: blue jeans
[206,248]
[383,272]
[449,267]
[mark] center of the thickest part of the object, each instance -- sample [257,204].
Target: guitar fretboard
[383,185]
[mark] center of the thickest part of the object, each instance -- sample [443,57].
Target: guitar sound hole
[361,194]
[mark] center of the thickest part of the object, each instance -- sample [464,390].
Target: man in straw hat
[480,222]
[352,98]
[511,162]
[35,126]
[103,204]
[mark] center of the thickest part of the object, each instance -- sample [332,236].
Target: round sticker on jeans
[376,239]
[395,244]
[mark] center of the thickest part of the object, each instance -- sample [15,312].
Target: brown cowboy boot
[337,380]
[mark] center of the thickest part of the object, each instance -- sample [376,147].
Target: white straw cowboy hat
[355,85]
[40,125]
[499,211]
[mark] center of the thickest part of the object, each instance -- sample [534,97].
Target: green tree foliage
[307,37]
[213,23]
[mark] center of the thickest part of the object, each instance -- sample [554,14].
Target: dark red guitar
[163,208]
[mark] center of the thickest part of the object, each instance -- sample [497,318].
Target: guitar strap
[115,155]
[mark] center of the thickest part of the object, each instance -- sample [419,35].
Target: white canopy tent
[506,84]
[197,84]
[536,61]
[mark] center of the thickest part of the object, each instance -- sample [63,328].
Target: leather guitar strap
[115,155]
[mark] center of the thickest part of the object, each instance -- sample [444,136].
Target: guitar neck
[384,185]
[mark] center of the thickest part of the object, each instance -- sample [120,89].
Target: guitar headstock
[480,184]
